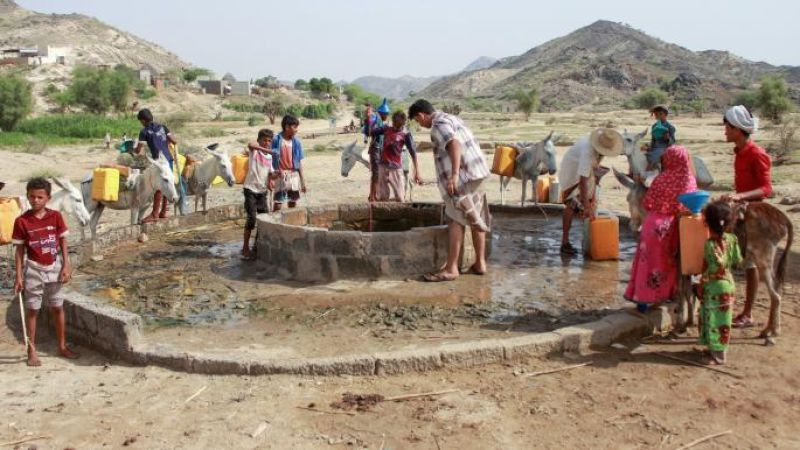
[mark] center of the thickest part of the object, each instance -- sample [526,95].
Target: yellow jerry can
[105,185]
[239,163]
[505,161]
[9,211]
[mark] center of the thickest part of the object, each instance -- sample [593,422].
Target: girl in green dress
[717,288]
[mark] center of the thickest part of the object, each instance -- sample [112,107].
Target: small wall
[299,243]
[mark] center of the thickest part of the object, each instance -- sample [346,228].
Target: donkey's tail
[780,271]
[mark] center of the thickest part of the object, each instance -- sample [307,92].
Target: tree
[698,106]
[268,82]
[301,85]
[527,102]
[649,98]
[272,108]
[772,98]
[194,73]
[16,101]
[100,90]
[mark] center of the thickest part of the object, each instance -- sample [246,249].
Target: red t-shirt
[752,168]
[40,236]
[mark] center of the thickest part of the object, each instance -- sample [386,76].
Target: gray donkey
[157,176]
[351,155]
[203,174]
[534,159]
[637,165]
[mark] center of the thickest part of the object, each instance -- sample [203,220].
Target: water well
[379,240]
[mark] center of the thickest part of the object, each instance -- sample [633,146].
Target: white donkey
[533,160]
[156,177]
[637,166]
[201,177]
[352,155]
[68,200]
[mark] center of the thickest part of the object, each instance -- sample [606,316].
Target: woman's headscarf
[675,179]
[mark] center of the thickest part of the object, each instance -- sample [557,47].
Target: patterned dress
[717,292]
[654,272]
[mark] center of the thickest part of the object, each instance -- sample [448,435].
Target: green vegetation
[527,102]
[358,96]
[16,101]
[192,74]
[318,111]
[243,107]
[648,98]
[772,98]
[81,126]
[253,121]
[748,99]
[27,143]
[269,82]
[100,90]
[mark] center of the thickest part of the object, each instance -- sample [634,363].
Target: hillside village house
[35,56]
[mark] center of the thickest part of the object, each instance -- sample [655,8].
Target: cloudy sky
[346,39]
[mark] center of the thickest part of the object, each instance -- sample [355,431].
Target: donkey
[637,166]
[157,176]
[203,173]
[351,155]
[764,227]
[533,160]
[68,200]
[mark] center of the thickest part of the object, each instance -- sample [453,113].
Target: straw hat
[606,142]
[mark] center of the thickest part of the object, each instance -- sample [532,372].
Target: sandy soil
[624,400]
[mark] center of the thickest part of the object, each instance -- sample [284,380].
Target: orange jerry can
[543,189]
[693,234]
[604,238]
[239,165]
[9,211]
[505,161]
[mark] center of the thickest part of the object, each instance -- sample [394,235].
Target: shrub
[101,90]
[16,101]
[177,121]
[253,121]
[193,73]
[649,98]
[748,99]
[698,107]
[317,111]
[772,98]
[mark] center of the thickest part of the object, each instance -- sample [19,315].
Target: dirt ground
[624,399]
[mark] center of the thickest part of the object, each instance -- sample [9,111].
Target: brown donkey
[760,228]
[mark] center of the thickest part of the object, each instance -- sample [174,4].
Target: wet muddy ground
[195,292]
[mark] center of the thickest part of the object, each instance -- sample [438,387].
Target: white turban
[741,118]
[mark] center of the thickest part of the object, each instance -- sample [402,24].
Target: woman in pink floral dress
[654,273]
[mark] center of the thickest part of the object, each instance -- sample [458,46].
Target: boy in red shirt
[390,168]
[39,234]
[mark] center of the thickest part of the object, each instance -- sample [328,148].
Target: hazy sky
[346,39]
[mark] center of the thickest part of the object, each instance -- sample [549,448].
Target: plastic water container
[601,238]
[555,191]
[505,160]
[239,165]
[9,211]
[693,234]
[105,185]
[543,189]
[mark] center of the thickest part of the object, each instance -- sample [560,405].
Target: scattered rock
[794,209]
[143,238]
[97,258]
[129,441]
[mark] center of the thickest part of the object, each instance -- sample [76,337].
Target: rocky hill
[394,88]
[91,41]
[482,62]
[604,64]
